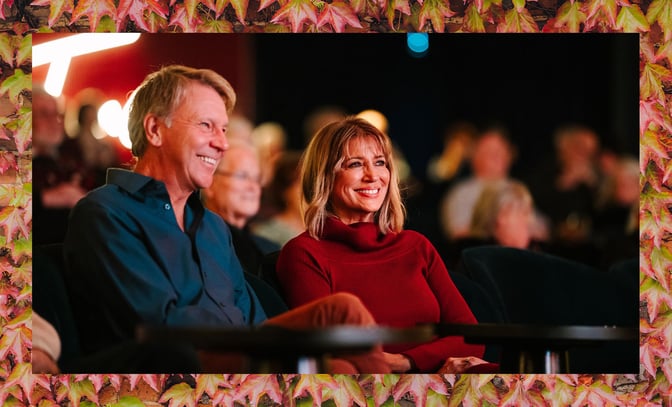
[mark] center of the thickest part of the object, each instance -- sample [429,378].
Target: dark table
[537,348]
[279,350]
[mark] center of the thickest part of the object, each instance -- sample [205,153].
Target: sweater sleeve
[302,276]
[430,357]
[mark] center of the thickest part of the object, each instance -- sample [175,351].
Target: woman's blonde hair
[324,156]
[162,91]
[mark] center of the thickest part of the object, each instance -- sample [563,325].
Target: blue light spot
[418,43]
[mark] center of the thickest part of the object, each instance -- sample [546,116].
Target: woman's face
[361,183]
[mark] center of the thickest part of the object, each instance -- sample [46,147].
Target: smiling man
[143,250]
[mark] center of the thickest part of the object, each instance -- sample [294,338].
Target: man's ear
[153,130]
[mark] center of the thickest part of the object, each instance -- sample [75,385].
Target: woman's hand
[398,362]
[460,365]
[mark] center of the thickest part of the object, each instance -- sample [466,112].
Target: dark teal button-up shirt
[128,262]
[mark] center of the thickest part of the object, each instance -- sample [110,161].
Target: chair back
[529,287]
[51,300]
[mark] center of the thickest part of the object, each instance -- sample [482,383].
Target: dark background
[529,83]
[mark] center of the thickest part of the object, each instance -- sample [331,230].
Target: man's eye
[206,126]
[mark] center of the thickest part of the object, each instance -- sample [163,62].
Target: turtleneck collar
[361,236]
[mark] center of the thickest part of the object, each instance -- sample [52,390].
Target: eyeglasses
[205,126]
[241,176]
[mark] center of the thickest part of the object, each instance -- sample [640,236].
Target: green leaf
[473,22]
[7,48]
[314,385]
[435,11]
[128,401]
[631,19]
[517,22]
[106,25]
[435,399]
[179,395]
[570,16]
[660,11]
[347,392]
[383,386]
[16,84]
[651,82]
[56,9]
[81,389]
[24,53]
[655,295]
[216,26]
[418,385]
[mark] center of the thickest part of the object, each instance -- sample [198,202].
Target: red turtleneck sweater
[399,277]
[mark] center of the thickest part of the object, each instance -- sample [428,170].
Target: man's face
[48,129]
[236,190]
[193,139]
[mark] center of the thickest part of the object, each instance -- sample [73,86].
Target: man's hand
[43,363]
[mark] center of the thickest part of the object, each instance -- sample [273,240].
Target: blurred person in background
[235,195]
[281,217]
[565,189]
[319,117]
[270,138]
[56,187]
[490,162]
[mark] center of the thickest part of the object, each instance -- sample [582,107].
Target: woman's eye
[354,164]
[380,163]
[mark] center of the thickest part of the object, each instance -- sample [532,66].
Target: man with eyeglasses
[143,250]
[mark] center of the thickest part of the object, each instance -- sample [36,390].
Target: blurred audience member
[453,160]
[240,127]
[235,195]
[491,160]
[270,138]
[56,187]
[503,214]
[319,117]
[90,151]
[565,190]
[616,229]
[282,219]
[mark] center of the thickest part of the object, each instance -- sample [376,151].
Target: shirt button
[166,206]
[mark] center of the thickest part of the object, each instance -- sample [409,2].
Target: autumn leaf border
[651,19]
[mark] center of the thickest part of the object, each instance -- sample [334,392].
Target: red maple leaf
[135,10]
[348,392]
[313,385]
[297,12]
[56,8]
[338,14]
[218,7]
[181,19]
[518,22]
[435,11]
[94,10]
[12,219]
[418,385]
[600,12]
[3,4]
[655,295]
[255,386]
